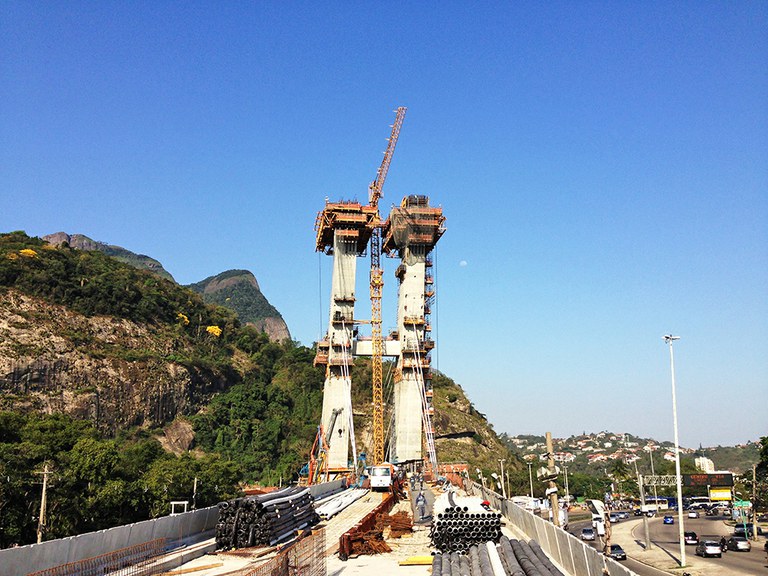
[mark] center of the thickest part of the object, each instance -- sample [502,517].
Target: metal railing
[305,557]
[131,561]
[573,555]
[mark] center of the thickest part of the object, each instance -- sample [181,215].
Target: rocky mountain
[112,371]
[81,242]
[84,335]
[239,291]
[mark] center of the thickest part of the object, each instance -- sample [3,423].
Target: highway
[664,539]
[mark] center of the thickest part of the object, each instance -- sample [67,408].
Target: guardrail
[571,554]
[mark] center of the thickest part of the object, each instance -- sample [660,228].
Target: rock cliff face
[239,291]
[104,369]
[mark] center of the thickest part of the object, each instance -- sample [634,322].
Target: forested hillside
[102,366]
[239,291]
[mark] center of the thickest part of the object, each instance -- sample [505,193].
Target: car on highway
[739,543]
[669,519]
[709,548]
[614,517]
[739,529]
[623,514]
[691,537]
[693,514]
[637,512]
[587,533]
[617,552]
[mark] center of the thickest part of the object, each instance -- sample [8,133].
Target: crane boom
[377,283]
[376,187]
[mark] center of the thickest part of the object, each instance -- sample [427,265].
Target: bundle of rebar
[459,523]
[508,558]
[368,543]
[264,520]
[399,523]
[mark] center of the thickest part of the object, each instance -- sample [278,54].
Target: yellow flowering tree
[214,332]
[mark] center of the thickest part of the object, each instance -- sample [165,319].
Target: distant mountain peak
[82,242]
[228,278]
[239,291]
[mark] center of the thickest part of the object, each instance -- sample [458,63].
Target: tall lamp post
[529,460]
[503,486]
[669,339]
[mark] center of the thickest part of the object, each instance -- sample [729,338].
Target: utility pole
[642,506]
[194,495]
[43,503]
[552,486]
[754,503]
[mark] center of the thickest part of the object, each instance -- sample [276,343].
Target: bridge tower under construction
[343,230]
[411,233]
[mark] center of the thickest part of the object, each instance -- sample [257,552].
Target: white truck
[381,476]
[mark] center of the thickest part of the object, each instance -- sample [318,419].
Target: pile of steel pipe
[458,523]
[265,519]
[508,558]
[331,506]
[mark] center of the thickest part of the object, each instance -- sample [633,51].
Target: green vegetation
[237,290]
[266,422]
[96,482]
[258,428]
[92,283]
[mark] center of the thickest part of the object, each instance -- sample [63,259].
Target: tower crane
[377,283]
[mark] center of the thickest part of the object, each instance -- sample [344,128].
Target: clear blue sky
[603,167]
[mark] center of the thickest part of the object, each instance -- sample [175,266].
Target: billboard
[719,494]
[717,479]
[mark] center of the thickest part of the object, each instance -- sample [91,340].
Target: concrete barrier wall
[568,552]
[34,557]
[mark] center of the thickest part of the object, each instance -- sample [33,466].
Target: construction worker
[421,504]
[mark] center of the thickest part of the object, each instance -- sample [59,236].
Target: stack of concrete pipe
[264,520]
[508,558]
[460,522]
[329,507]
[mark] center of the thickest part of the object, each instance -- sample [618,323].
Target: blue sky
[603,167]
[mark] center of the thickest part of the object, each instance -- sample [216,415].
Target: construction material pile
[368,543]
[460,522]
[508,558]
[329,507]
[399,524]
[264,520]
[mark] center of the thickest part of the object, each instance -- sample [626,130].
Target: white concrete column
[337,389]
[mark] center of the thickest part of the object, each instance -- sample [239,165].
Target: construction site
[391,509]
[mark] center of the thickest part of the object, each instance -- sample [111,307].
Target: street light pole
[503,486]
[669,339]
[530,476]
